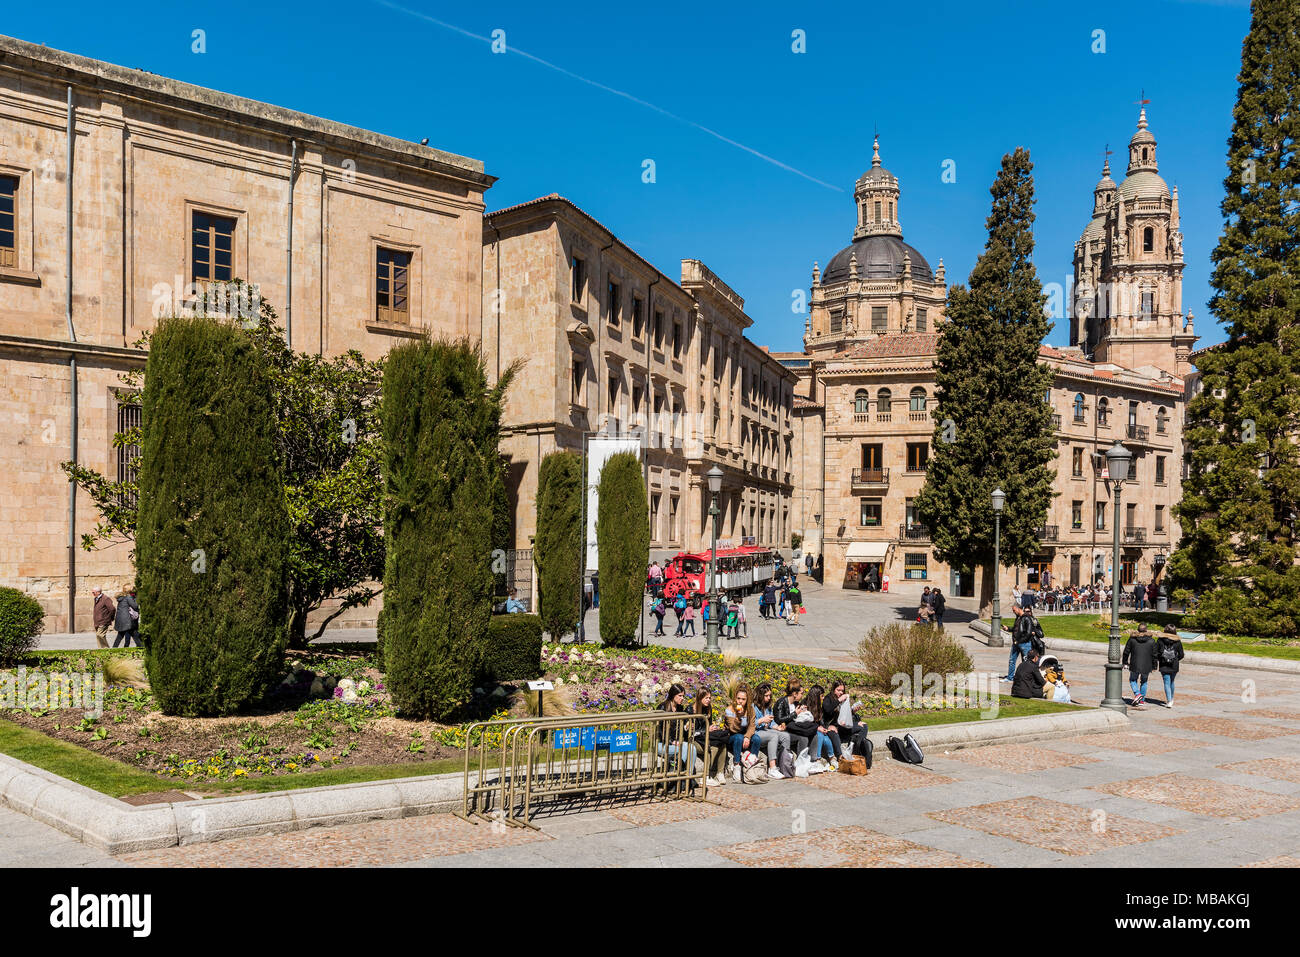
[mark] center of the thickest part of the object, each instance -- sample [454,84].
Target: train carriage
[741,571]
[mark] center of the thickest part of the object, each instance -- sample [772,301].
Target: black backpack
[905,749]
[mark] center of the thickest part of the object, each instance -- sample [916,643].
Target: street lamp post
[995,626]
[711,645]
[1117,463]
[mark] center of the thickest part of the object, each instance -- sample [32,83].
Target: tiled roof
[911,344]
[803,402]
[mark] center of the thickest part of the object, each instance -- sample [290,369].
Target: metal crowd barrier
[528,761]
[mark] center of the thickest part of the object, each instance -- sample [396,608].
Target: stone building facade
[863,413]
[169,188]
[611,345]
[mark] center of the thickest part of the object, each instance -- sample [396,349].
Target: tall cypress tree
[623,542]
[557,548]
[1241,499]
[212,532]
[992,386]
[441,424]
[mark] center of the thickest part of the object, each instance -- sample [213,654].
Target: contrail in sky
[609,89]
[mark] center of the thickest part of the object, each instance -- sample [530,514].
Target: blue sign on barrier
[593,740]
[623,741]
[565,738]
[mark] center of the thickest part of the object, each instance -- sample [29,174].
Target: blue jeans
[1138,683]
[822,747]
[1169,688]
[684,751]
[690,626]
[1022,651]
[738,746]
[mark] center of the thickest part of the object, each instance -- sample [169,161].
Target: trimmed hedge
[21,621]
[623,540]
[557,546]
[514,648]
[212,535]
[441,422]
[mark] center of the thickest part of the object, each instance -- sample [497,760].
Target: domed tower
[1128,269]
[878,285]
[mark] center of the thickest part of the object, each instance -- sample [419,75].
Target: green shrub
[213,526]
[623,541]
[21,621]
[557,547]
[441,424]
[514,648]
[899,649]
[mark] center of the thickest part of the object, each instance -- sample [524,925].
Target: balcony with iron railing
[1048,533]
[1056,422]
[1133,534]
[870,477]
[1139,433]
[914,532]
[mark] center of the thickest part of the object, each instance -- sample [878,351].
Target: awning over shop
[867,551]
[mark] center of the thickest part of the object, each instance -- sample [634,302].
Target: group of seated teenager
[821,727]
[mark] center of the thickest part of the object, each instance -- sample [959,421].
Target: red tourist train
[741,571]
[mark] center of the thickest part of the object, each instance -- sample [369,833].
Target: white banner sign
[599,449]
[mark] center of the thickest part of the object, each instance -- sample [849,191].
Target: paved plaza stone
[1213,782]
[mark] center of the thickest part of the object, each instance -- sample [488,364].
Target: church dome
[1143,185]
[879,257]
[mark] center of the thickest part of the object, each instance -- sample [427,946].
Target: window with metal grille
[8,221]
[922,320]
[870,516]
[212,248]
[1076,514]
[918,456]
[837,321]
[1148,305]
[915,565]
[392,285]
[1160,470]
[877,210]
[128,456]
[879,318]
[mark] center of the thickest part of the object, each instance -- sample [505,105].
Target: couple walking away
[1144,654]
[124,617]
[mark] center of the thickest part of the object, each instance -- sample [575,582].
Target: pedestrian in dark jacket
[101,613]
[1026,634]
[1029,680]
[1169,651]
[938,603]
[1140,656]
[1139,596]
[768,601]
[127,620]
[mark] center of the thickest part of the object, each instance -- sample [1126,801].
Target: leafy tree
[441,425]
[623,543]
[1241,499]
[327,412]
[557,547]
[213,525]
[990,383]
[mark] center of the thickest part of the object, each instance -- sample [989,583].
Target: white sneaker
[835,765]
[711,782]
[775,774]
[735,773]
[719,781]
[818,767]
[1169,704]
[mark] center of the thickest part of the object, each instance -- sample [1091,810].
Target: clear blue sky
[588,91]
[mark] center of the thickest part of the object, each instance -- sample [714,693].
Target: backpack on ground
[865,748]
[756,773]
[785,763]
[905,749]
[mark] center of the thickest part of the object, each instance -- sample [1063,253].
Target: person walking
[767,603]
[937,606]
[102,614]
[795,597]
[1026,633]
[780,600]
[1140,657]
[658,608]
[1169,651]
[818,571]
[127,620]
[808,563]
[1151,593]
[1139,595]
[740,629]
[679,609]
[595,589]
[691,614]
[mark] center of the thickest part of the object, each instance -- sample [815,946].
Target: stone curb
[966,734]
[118,828]
[1210,659]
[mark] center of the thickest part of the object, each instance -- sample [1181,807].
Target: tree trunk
[298,629]
[986,591]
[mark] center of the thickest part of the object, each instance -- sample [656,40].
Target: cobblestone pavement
[1214,782]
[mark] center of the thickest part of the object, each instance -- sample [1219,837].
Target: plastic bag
[1062,693]
[802,764]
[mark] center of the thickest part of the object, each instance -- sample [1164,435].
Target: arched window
[861,401]
[1103,410]
[882,400]
[1162,420]
[1078,407]
[918,400]
[1148,239]
[1144,152]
